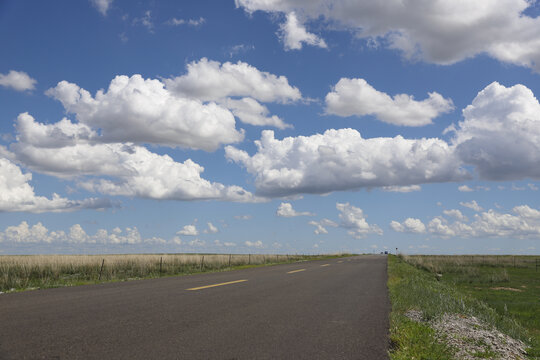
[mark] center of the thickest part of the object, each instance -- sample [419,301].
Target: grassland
[45,271]
[501,291]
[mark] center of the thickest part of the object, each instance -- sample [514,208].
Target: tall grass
[42,271]
[411,287]
[510,285]
[435,298]
[471,269]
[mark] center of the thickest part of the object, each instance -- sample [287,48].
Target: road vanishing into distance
[329,309]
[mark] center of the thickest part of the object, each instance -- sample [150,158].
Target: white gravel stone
[469,335]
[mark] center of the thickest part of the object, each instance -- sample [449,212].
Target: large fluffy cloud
[211,81]
[140,110]
[16,194]
[442,32]
[500,133]
[67,150]
[17,80]
[343,160]
[357,97]
[196,110]
[237,86]
[499,137]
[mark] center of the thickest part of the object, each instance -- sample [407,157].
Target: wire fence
[38,271]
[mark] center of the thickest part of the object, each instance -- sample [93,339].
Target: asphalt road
[306,310]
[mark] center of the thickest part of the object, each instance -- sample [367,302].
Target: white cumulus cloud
[356,97]
[68,150]
[293,33]
[320,226]
[250,111]
[17,80]
[102,5]
[211,229]
[16,194]
[523,222]
[455,213]
[319,229]
[189,230]
[441,32]
[473,205]
[353,219]
[211,81]
[527,212]
[286,210]
[500,133]
[255,244]
[38,233]
[409,225]
[343,160]
[139,110]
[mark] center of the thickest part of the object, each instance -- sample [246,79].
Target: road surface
[330,309]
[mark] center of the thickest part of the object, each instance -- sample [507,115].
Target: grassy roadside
[508,284]
[19,273]
[410,339]
[412,288]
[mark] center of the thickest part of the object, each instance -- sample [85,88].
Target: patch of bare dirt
[506,288]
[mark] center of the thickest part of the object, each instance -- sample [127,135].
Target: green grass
[18,273]
[416,287]
[409,339]
[479,276]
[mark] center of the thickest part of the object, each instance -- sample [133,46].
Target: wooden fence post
[249,259]
[230,260]
[202,262]
[160,265]
[101,270]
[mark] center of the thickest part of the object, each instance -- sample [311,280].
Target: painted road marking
[326,265]
[295,271]
[214,285]
[340,261]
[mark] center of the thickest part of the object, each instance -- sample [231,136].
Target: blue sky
[322,126]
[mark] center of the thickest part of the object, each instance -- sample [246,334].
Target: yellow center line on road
[295,271]
[214,285]
[340,261]
[325,265]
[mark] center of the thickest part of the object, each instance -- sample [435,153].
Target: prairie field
[501,291]
[20,272]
